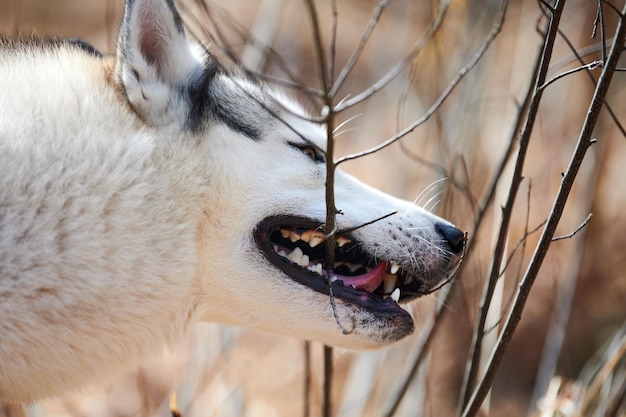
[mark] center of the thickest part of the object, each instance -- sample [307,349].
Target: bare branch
[547,5]
[583,144]
[507,210]
[331,209]
[519,243]
[588,67]
[344,330]
[400,66]
[573,233]
[453,84]
[333,42]
[345,71]
[578,55]
[352,229]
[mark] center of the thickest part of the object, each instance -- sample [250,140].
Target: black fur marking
[233,117]
[210,99]
[178,21]
[85,46]
[198,95]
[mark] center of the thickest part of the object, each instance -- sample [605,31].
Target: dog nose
[452,235]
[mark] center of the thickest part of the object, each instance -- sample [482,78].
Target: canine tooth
[394,268]
[395,295]
[333,278]
[285,233]
[316,239]
[389,284]
[294,237]
[295,256]
[341,241]
[282,253]
[318,268]
[304,262]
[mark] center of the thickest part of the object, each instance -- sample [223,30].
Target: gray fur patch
[244,107]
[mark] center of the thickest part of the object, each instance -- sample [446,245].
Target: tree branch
[583,144]
[507,210]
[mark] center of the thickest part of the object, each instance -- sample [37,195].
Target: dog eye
[312,152]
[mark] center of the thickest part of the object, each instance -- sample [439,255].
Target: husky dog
[142,192]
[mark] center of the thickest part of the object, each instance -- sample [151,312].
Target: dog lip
[341,289]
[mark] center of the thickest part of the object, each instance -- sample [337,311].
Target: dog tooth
[282,253]
[304,262]
[318,268]
[389,283]
[316,239]
[342,240]
[294,237]
[394,268]
[353,267]
[306,236]
[333,278]
[352,286]
[395,295]
[295,256]
[285,233]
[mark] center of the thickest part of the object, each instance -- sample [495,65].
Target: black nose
[452,235]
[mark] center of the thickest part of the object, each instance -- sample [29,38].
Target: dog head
[262,241]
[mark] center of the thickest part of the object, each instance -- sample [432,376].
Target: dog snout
[453,236]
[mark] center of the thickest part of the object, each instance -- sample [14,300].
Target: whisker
[345,122]
[337,134]
[344,99]
[428,189]
[433,198]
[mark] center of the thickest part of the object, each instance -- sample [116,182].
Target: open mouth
[297,247]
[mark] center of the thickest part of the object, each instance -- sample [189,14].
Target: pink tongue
[368,281]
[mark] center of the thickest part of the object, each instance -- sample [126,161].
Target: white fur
[119,227]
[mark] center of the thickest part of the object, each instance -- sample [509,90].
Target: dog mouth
[297,247]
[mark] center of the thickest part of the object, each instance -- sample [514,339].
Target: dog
[147,190]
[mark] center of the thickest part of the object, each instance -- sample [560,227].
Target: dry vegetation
[573,323]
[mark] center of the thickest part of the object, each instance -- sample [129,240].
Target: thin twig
[575,231]
[331,209]
[507,210]
[333,43]
[345,71]
[451,87]
[587,67]
[519,243]
[352,229]
[578,55]
[583,144]
[400,66]
[306,403]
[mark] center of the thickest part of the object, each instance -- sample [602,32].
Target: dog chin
[359,328]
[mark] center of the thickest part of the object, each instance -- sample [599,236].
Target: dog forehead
[261,112]
[299,121]
[239,103]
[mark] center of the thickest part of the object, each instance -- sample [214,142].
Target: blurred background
[574,321]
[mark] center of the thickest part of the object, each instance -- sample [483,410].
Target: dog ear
[155,62]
